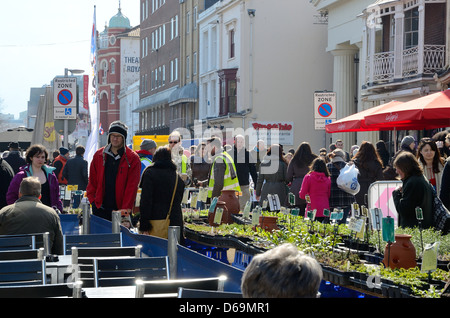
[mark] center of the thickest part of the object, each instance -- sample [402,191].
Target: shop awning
[155,100]
[186,94]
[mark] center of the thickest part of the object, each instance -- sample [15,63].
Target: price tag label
[326,213]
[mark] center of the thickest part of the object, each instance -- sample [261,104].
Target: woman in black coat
[157,184]
[414,192]
[370,169]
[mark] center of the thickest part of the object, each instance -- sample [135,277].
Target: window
[105,72]
[232,96]
[187,67]
[113,67]
[188,22]
[194,18]
[194,63]
[232,44]
[411,28]
[174,27]
[113,95]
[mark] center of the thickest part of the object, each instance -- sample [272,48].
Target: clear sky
[40,38]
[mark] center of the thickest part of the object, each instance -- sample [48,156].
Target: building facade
[401,48]
[110,65]
[260,64]
[160,64]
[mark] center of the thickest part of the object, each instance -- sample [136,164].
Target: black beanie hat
[118,127]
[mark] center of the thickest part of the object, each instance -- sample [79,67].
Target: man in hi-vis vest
[223,171]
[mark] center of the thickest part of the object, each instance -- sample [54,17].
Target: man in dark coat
[14,158]
[245,168]
[76,169]
[6,175]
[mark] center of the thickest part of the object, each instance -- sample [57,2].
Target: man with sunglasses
[179,158]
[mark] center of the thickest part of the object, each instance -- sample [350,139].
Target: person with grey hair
[29,215]
[282,272]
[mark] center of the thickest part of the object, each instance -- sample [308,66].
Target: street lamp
[72,71]
[66,121]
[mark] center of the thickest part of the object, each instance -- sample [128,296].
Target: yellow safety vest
[229,183]
[184,160]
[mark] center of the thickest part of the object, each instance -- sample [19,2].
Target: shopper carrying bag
[161,195]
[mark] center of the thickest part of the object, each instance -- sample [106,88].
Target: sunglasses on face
[173,142]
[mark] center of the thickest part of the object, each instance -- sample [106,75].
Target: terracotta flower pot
[231,200]
[225,216]
[268,223]
[402,253]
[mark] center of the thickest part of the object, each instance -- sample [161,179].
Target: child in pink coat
[317,184]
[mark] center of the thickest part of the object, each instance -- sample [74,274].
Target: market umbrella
[427,112]
[356,122]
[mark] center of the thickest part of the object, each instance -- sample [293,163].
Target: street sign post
[324,109]
[65,102]
[65,97]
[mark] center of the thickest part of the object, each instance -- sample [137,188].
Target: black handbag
[441,215]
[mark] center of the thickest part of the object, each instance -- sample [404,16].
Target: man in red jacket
[114,175]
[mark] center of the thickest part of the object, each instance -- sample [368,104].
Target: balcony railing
[381,69]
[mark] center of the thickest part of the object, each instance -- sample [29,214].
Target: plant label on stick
[264,205]
[194,201]
[388,229]
[291,198]
[355,224]
[429,258]
[246,212]
[255,216]
[375,217]
[326,213]
[337,214]
[295,211]
[311,214]
[203,194]
[419,213]
[212,207]
[185,196]
[307,198]
[355,210]
[360,233]
[218,216]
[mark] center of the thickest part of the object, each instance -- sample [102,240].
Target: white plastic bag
[348,179]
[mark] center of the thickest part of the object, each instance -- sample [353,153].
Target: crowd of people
[162,173]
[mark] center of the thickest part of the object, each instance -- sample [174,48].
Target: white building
[129,80]
[400,46]
[260,63]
